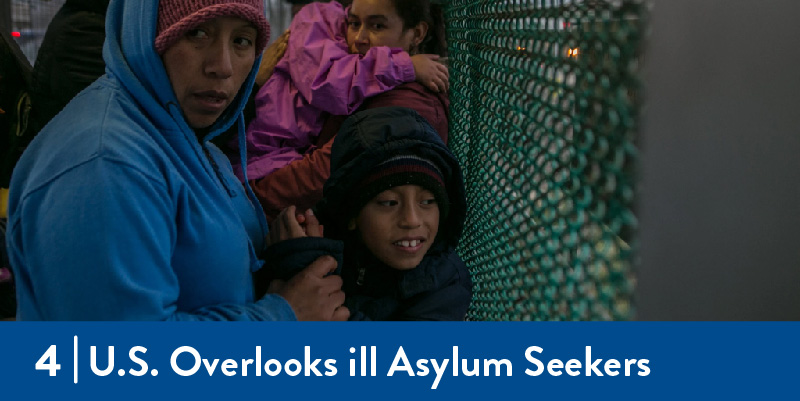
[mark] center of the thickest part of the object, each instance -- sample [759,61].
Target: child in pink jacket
[329,68]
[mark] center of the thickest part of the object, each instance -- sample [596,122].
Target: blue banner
[403,361]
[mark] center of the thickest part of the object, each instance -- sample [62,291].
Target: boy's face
[399,225]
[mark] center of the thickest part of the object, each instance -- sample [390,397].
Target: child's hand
[289,225]
[285,226]
[431,73]
[310,224]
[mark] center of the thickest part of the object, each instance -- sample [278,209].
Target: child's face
[376,23]
[399,225]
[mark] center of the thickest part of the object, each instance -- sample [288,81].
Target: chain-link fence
[544,112]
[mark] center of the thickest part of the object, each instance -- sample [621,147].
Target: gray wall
[720,189]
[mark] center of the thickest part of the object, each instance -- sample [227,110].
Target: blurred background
[28,19]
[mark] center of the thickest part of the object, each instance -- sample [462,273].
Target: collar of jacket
[366,275]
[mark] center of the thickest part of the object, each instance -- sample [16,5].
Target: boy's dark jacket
[440,287]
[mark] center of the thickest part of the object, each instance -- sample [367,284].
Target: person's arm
[327,75]
[271,56]
[298,183]
[98,245]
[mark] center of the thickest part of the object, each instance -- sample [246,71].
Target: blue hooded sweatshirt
[118,212]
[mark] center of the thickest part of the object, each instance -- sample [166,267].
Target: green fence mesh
[544,112]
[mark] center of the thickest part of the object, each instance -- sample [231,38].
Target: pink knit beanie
[176,17]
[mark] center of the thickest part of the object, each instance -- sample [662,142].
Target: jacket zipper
[362,271]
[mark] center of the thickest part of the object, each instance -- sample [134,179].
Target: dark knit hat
[404,169]
[176,17]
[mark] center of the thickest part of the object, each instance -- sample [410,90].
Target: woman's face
[376,23]
[208,66]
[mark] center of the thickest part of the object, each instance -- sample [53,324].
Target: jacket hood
[130,57]
[132,62]
[368,138]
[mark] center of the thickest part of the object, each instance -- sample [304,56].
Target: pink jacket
[317,76]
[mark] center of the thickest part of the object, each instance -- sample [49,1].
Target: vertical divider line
[75,361]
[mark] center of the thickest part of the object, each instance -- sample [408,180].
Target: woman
[122,210]
[413,26]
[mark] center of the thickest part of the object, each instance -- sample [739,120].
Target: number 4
[48,361]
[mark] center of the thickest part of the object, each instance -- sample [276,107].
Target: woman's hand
[289,225]
[314,293]
[430,72]
[272,55]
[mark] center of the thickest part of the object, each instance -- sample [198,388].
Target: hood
[130,57]
[368,138]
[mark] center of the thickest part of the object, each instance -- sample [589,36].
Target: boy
[395,199]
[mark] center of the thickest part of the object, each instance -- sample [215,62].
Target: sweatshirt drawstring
[262,219]
[177,115]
